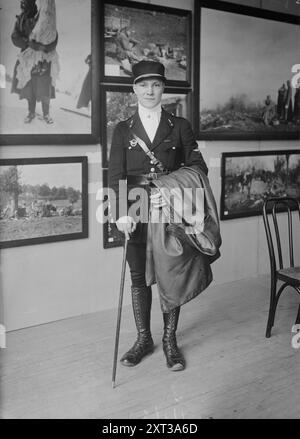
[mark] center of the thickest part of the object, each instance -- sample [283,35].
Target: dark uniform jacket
[174,146]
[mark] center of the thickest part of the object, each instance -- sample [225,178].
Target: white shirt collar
[150,119]
[144,111]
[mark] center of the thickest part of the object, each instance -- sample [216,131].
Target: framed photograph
[134,31]
[119,103]
[247,88]
[111,236]
[49,92]
[248,178]
[43,200]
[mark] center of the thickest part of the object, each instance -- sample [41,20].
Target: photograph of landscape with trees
[40,200]
[246,78]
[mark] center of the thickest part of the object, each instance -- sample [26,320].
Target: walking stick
[119,314]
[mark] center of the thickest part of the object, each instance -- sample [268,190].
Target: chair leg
[272,309]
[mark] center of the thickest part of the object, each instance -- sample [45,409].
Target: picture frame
[43,200]
[111,237]
[248,178]
[238,72]
[118,102]
[74,102]
[134,31]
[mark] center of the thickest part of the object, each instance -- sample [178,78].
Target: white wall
[47,282]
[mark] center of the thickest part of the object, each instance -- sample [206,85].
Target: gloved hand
[127,225]
[156,199]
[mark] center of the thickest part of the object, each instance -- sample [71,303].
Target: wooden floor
[63,369]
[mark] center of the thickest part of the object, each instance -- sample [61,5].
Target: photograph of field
[121,105]
[132,35]
[40,201]
[248,179]
[246,85]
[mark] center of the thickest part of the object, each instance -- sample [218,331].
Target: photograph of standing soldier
[269,112]
[173,144]
[297,104]
[281,102]
[288,103]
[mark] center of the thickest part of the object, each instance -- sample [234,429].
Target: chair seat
[290,274]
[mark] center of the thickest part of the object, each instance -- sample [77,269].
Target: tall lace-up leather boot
[141,303]
[175,360]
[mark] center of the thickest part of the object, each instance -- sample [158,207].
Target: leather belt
[144,179]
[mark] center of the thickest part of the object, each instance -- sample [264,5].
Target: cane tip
[113,384]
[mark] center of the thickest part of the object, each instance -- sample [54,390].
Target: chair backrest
[271,208]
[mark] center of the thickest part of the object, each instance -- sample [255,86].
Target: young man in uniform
[173,144]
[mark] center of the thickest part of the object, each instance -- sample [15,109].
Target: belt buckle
[152,175]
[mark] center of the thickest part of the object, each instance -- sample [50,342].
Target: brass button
[152,169]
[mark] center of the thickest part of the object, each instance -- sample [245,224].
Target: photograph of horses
[249,178]
[42,200]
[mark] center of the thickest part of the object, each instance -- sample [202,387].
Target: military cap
[148,69]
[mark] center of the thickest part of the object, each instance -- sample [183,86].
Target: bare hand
[127,225]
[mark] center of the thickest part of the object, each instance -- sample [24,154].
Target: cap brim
[149,75]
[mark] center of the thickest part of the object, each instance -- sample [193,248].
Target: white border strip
[2,337]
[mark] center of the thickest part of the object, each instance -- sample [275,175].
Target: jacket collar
[165,127]
[135,124]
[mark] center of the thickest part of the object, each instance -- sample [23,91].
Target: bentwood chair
[278,218]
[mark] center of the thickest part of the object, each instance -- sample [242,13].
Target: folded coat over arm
[179,254]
